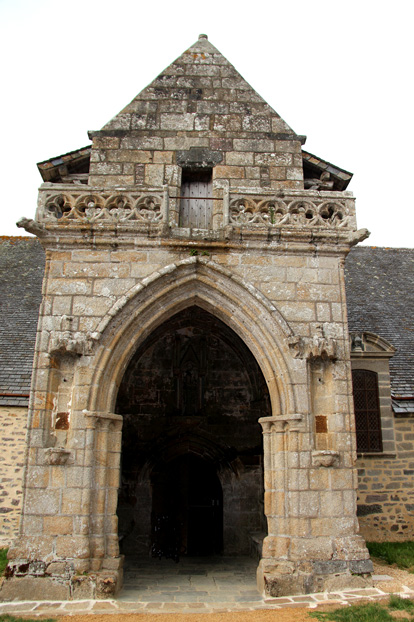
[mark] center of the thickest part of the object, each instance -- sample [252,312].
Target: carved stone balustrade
[69,204]
[294,208]
[254,211]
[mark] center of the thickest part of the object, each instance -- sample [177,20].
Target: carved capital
[279,424]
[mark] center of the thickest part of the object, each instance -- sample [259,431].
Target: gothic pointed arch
[193,282]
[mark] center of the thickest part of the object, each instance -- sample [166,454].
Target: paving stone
[6,608]
[130,606]
[302,599]
[76,605]
[104,607]
[191,597]
[381,577]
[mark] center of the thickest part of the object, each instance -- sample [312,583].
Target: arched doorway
[187,508]
[191,398]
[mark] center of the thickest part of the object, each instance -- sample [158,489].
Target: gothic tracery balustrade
[247,208]
[95,206]
[315,211]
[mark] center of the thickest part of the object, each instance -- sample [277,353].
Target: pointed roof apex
[203,45]
[201,91]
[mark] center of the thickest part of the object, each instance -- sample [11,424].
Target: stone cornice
[118,133]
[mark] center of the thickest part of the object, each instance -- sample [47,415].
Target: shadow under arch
[192,448]
[193,282]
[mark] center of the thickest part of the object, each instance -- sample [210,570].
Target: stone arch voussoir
[201,282]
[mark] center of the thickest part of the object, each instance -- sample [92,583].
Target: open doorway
[192,448]
[187,509]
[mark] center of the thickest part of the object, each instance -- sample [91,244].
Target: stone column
[312,542]
[104,492]
[276,545]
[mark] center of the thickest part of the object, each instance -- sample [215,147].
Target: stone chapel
[192,369]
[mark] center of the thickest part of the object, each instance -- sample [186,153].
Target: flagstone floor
[194,585]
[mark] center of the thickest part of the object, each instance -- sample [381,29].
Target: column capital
[278,423]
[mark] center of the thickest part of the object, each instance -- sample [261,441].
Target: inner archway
[191,398]
[187,508]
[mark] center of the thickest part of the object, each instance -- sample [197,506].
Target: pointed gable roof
[206,78]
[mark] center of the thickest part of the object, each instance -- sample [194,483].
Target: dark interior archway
[191,398]
[187,508]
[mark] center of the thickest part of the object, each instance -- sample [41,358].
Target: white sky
[339,72]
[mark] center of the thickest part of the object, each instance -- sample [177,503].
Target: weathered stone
[30,588]
[346,581]
[188,318]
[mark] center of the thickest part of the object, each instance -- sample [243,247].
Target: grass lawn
[370,612]
[3,560]
[399,553]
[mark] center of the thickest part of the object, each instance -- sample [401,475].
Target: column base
[58,581]
[286,578]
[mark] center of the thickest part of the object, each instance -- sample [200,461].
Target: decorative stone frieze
[247,208]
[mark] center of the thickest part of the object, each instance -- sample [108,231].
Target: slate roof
[21,273]
[380,297]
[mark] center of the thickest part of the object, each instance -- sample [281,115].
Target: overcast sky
[339,72]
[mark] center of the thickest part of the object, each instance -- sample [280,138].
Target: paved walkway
[193,586]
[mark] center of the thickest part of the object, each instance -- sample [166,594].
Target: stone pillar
[276,545]
[68,546]
[105,462]
[312,542]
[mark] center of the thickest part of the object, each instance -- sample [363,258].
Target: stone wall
[85,284]
[12,456]
[385,489]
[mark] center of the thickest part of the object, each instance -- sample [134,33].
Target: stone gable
[199,101]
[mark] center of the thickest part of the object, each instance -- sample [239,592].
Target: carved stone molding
[75,344]
[317,346]
[31,226]
[369,345]
[325,458]
[57,456]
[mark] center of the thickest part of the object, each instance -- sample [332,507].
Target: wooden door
[196,203]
